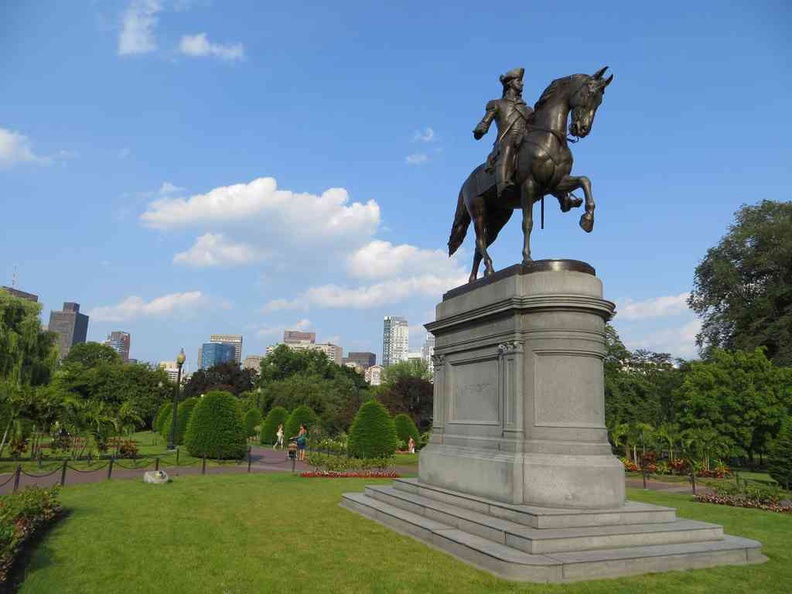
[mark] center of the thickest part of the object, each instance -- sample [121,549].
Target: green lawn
[281,533]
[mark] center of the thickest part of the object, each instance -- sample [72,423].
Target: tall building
[333,351]
[395,340]
[233,339]
[253,362]
[172,369]
[21,294]
[298,337]
[71,326]
[215,353]
[120,341]
[428,351]
[362,360]
[373,375]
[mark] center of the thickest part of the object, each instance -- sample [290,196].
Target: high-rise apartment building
[395,340]
[22,294]
[216,353]
[233,339]
[71,326]
[362,360]
[427,351]
[120,341]
[298,337]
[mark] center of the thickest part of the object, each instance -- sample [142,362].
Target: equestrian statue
[529,160]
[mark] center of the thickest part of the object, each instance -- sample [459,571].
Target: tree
[276,416]
[215,429]
[779,463]
[742,289]
[227,377]
[183,414]
[91,354]
[405,428]
[416,368]
[252,419]
[27,352]
[373,432]
[302,415]
[413,396]
[164,418]
[740,395]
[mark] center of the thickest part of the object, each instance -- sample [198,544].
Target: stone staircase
[525,543]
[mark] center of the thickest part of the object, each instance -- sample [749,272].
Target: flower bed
[736,501]
[745,494]
[22,515]
[336,474]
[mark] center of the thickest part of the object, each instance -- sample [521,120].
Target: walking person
[279,435]
[302,439]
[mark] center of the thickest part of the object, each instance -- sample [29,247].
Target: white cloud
[271,217]
[167,188]
[381,259]
[213,249]
[680,341]
[280,305]
[135,307]
[669,305]
[265,331]
[199,46]
[15,148]
[426,135]
[137,27]
[416,159]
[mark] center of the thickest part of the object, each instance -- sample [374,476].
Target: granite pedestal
[518,477]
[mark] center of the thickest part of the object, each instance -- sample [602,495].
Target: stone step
[543,517]
[547,540]
[510,563]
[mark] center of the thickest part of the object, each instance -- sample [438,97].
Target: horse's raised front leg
[527,198]
[478,216]
[570,183]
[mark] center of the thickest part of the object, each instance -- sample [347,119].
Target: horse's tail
[460,225]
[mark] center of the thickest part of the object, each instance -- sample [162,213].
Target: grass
[279,533]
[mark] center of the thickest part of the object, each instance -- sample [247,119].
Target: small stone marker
[156,477]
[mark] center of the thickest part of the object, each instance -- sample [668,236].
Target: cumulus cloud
[680,340]
[15,148]
[656,307]
[134,307]
[281,305]
[381,259]
[265,331]
[425,135]
[213,249]
[137,27]
[288,218]
[416,159]
[168,189]
[200,46]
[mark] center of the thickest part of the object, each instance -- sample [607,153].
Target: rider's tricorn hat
[512,74]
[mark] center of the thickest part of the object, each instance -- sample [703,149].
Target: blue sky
[182,168]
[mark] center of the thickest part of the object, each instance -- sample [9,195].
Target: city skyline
[214,213]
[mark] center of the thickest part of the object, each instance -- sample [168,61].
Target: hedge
[277,416]
[302,415]
[164,413]
[373,433]
[215,429]
[183,414]
[251,420]
[405,428]
[779,462]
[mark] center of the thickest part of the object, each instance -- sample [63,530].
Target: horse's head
[585,100]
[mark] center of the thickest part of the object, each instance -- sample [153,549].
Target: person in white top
[279,443]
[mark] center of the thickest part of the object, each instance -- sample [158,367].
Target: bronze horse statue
[543,167]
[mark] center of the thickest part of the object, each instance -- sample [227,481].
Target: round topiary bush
[405,428]
[183,414]
[373,433]
[164,413]
[779,462]
[277,416]
[251,420]
[302,415]
[215,429]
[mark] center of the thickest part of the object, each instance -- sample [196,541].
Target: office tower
[120,341]
[333,351]
[216,353]
[362,360]
[292,337]
[395,340]
[428,351]
[233,339]
[253,362]
[21,294]
[71,326]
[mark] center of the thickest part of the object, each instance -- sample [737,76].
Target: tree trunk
[5,434]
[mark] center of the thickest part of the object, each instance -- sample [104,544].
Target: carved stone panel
[474,393]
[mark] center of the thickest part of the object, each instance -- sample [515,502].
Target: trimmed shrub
[164,413]
[405,428]
[779,462]
[373,433]
[215,429]
[277,416]
[251,420]
[183,414]
[302,415]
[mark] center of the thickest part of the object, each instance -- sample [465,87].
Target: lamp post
[179,362]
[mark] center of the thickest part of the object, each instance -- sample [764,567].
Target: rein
[561,138]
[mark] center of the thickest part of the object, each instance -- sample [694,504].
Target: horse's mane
[554,87]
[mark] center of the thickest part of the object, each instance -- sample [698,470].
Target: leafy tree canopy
[91,354]
[416,368]
[27,352]
[285,362]
[227,377]
[743,288]
[413,396]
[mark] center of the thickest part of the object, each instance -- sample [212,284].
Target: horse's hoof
[587,222]
[526,261]
[472,279]
[489,272]
[569,202]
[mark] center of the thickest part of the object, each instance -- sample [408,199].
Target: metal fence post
[17,474]
[156,463]
[250,458]
[63,473]
[203,466]
[110,468]
[177,456]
